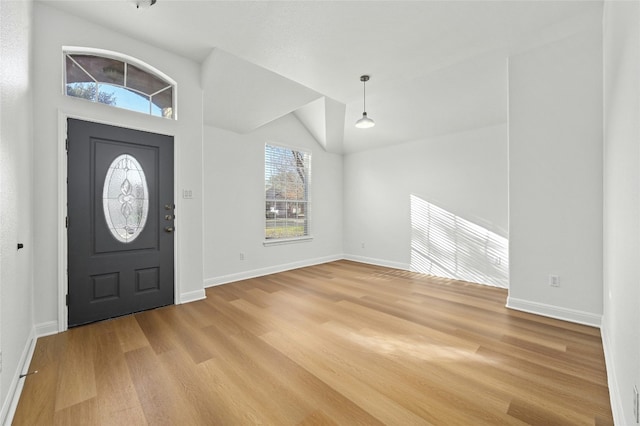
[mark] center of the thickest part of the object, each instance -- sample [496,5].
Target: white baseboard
[46,328]
[15,389]
[245,275]
[565,314]
[192,296]
[378,262]
[612,381]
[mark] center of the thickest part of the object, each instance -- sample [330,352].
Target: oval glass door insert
[125,198]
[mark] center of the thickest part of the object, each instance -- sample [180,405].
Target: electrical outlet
[636,404]
[361,245]
[0,362]
[241,256]
[554,280]
[187,193]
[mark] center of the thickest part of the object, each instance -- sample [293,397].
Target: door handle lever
[169,229]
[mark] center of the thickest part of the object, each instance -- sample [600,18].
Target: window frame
[143,66]
[307,159]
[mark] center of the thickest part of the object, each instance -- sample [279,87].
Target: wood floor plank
[76,381]
[286,409]
[86,411]
[162,401]
[116,398]
[160,337]
[338,343]
[317,418]
[574,390]
[386,410]
[419,375]
[39,389]
[190,341]
[238,345]
[129,333]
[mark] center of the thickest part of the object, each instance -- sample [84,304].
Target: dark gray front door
[120,221]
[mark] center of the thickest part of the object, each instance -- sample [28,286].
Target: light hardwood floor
[339,343]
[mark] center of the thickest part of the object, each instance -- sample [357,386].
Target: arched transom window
[113,80]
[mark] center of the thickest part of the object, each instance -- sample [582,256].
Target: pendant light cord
[364,96]
[365,122]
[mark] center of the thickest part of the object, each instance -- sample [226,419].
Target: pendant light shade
[365,122]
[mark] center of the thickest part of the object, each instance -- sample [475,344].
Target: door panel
[105,152]
[120,238]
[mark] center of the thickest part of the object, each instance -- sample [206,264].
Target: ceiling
[436,66]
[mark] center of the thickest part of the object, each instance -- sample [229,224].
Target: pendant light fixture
[365,122]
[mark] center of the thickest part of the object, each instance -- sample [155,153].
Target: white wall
[621,319]
[53,30]
[555,178]
[463,173]
[234,203]
[16,202]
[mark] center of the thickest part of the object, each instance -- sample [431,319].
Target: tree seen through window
[287,175]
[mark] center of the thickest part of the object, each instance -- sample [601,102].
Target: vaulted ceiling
[435,66]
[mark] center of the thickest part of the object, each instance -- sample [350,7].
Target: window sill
[280,241]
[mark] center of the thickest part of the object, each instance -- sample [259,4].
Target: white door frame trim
[63,314]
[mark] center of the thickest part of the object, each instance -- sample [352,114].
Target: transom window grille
[287,175]
[118,82]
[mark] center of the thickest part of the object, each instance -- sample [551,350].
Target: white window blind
[287,176]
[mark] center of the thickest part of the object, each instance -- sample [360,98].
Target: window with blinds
[287,175]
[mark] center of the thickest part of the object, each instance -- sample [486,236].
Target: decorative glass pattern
[125,198]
